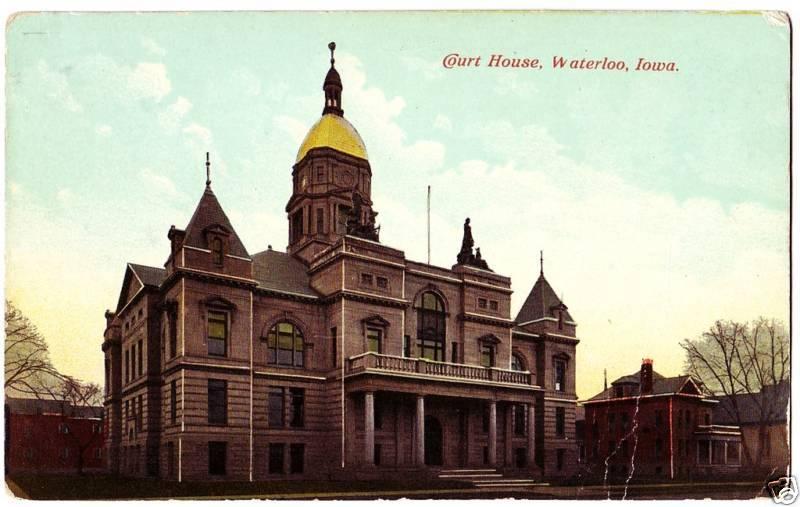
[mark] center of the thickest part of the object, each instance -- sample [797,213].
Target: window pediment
[489,338]
[375,320]
[218,302]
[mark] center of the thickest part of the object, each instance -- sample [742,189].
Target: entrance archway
[433,441]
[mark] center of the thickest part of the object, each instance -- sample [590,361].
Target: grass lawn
[44,487]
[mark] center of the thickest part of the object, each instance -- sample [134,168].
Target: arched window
[285,345]
[517,364]
[431,327]
[216,250]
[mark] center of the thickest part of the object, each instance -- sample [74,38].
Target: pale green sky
[660,199]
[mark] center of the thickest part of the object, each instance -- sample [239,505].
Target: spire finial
[605,379]
[208,171]
[332,47]
[541,262]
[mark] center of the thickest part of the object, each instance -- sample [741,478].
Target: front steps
[487,478]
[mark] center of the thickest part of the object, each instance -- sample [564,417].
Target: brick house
[45,437]
[658,427]
[337,358]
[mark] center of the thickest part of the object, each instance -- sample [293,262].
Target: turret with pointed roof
[543,310]
[209,242]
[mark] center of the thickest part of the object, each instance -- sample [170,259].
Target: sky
[660,199]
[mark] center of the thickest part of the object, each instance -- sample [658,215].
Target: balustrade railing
[373,361]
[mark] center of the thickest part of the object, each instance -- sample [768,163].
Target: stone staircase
[487,478]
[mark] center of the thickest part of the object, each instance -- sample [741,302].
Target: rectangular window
[139,361]
[298,407]
[127,366]
[493,306]
[275,407]
[374,339]
[173,334]
[366,279]
[519,420]
[560,368]
[618,392]
[320,220]
[703,452]
[297,225]
[276,458]
[454,352]
[382,282]
[406,346]
[173,401]
[140,413]
[560,421]
[297,454]
[217,333]
[217,401]
[333,347]
[487,355]
[482,303]
[217,452]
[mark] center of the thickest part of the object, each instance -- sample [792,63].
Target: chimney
[646,377]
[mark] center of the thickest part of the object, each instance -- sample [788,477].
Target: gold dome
[333,131]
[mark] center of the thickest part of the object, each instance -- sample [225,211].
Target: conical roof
[541,302]
[209,213]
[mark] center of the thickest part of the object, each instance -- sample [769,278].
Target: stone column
[369,428]
[531,435]
[493,433]
[419,424]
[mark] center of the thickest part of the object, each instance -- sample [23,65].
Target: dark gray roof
[149,275]
[775,400]
[35,406]
[661,385]
[209,212]
[541,302]
[281,272]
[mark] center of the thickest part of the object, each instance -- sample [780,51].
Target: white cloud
[149,80]
[295,128]
[158,182]
[170,118]
[510,83]
[199,133]
[103,130]
[431,71]
[442,122]
[152,46]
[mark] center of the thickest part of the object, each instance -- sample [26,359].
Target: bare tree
[80,400]
[28,370]
[733,358]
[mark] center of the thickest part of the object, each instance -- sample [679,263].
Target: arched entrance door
[433,441]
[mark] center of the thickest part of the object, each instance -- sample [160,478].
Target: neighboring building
[662,426]
[44,436]
[339,358]
[769,449]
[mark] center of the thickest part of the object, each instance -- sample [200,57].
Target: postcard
[382,255]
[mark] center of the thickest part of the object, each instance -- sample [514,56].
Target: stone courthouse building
[337,358]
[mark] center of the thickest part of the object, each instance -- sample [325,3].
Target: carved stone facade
[340,357]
